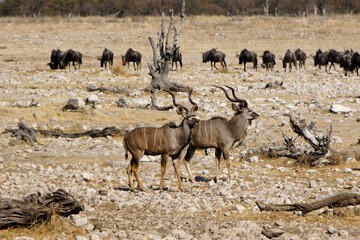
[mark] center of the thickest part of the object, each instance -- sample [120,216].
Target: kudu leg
[164,159]
[218,159]
[176,164]
[135,169]
[189,154]
[129,172]
[227,158]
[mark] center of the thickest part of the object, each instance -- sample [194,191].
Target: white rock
[79,221]
[347,170]
[76,103]
[23,238]
[240,208]
[336,108]
[86,176]
[80,238]
[254,159]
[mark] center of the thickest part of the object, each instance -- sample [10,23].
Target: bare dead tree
[338,200]
[159,70]
[320,144]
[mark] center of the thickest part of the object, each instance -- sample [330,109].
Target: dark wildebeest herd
[348,59]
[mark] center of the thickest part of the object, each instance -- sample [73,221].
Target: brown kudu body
[167,141]
[221,133]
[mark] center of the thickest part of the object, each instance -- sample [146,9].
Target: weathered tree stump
[338,200]
[320,144]
[160,69]
[24,133]
[37,208]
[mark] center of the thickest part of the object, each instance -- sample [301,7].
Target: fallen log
[37,208]
[336,201]
[26,133]
[116,89]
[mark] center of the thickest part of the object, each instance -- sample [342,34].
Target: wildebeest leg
[180,64]
[224,63]
[164,159]
[172,66]
[134,66]
[218,159]
[227,158]
[189,154]
[244,66]
[74,65]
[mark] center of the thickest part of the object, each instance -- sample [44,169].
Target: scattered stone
[75,103]
[338,109]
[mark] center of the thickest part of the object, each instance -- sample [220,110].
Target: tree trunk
[160,69]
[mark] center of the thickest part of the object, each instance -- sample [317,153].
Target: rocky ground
[93,169]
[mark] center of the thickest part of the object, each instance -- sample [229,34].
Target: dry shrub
[338,157]
[223,70]
[51,229]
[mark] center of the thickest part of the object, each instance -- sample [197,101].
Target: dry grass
[23,54]
[57,226]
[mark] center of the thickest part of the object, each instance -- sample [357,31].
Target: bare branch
[177,31]
[338,200]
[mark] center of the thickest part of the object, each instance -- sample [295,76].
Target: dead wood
[271,233]
[23,133]
[32,104]
[108,131]
[37,208]
[159,70]
[320,145]
[116,89]
[336,201]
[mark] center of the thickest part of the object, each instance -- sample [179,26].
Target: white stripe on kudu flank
[146,146]
[205,130]
[154,138]
[210,131]
[137,138]
[161,137]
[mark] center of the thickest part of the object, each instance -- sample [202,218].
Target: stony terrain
[93,169]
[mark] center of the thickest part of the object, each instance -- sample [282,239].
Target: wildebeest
[345,61]
[355,63]
[176,57]
[107,57]
[300,57]
[247,56]
[268,59]
[337,57]
[321,58]
[71,56]
[214,56]
[132,56]
[289,58]
[55,59]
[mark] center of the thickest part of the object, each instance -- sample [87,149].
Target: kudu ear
[181,111]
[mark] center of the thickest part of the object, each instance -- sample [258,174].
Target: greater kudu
[168,140]
[221,133]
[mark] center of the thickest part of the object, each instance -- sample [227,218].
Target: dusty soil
[94,169]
